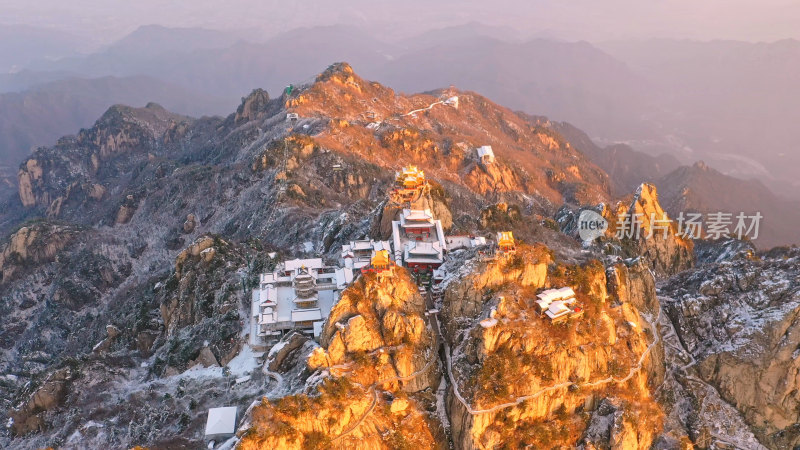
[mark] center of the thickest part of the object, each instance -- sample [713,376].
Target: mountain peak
[646,192]
[337,71]
[252,106]
[440,132]
[666,251]
[154,105]
[153,117]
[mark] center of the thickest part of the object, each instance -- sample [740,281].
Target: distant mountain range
[142,52]
[186,58]
[41,115]
[564,80]
[730,104]
[626,168]
[735,104]
[21,45]
[695,188]
[699,188]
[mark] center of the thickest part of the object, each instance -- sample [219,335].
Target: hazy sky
[594,20]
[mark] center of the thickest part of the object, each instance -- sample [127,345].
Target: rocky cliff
[371,381]
[650,233]
[526,381]
[639,228]
[71,172]
[200,305]
[737,321]
[33,245]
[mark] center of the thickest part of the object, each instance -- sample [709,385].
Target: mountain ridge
[619,102]
[135,247]
[42,114]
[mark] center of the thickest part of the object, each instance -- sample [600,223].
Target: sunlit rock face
[652,235]
[371,377]
[561,372]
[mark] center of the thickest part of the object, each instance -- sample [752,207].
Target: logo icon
[591,225]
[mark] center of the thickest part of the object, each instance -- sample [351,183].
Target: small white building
[358,254]
[298,295]
[557,310]
[489,322]
[221,423]
[485,154]
[547,297]
[463,241]
[452,101]
[558,304]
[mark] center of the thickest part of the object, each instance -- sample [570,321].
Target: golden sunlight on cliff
[378,367]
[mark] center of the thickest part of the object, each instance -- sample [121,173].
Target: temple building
[409,184]
[297,296]
[358,254]
[379,263]
[418,240]
[505,242]
[546,297]
[437,283]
